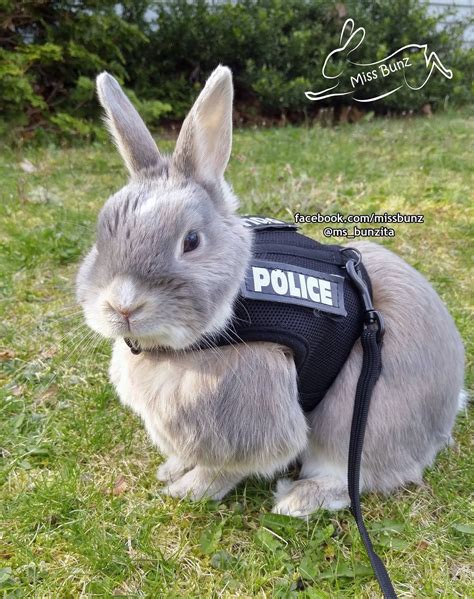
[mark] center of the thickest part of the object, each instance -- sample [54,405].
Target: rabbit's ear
[346,31]
[357,37]
[205,141]
[134,141]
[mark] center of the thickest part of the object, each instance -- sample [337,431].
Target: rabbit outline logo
[380,68]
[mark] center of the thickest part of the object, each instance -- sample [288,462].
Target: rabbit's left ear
[134,141]
[205,141]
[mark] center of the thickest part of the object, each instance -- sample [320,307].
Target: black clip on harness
[371,339]
[133,345]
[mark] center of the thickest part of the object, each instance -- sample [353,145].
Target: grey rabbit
[169,257]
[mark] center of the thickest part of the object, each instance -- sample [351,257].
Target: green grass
[82,513]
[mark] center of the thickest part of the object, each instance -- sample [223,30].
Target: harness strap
[371,340]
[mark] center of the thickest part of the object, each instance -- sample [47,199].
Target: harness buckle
[133,345]
[354,251]
[374,317]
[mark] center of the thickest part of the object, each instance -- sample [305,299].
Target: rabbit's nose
[125,311]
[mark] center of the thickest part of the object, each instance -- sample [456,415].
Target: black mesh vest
[297,293]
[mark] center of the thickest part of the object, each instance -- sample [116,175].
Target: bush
[51,52]
[276,49]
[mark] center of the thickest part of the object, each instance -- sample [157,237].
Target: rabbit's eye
[191,241]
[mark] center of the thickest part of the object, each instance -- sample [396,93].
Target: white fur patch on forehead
[159,197]
[173,199]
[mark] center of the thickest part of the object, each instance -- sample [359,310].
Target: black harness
[298,293]
[315,299]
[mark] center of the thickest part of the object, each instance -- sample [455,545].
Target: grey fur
[414,403]
[222,414]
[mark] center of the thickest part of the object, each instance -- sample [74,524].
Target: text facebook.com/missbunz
[354,219]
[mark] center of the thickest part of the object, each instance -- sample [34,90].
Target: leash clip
[372,317]
[133,345]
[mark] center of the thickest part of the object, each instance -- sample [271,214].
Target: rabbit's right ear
[133,140]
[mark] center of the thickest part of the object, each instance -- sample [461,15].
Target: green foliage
[276,49]
[151,110]
[51,52]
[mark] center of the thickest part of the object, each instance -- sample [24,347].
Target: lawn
[82,514]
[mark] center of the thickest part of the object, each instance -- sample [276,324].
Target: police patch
[289,284]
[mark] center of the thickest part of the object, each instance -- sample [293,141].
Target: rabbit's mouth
[144,328]
[174,337]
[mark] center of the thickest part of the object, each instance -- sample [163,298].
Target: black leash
[371,340]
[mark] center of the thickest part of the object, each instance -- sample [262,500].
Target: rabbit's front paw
[171,470]
[201,483]
[303,497]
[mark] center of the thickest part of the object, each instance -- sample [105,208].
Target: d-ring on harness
[315,299]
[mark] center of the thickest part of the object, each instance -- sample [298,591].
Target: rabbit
[338,61]
[165,270]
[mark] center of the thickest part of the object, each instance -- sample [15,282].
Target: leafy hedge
[51,51]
